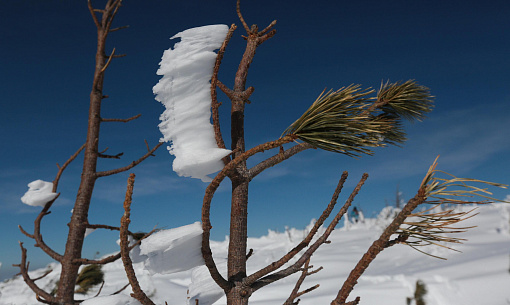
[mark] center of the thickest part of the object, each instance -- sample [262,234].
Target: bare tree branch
[276,159]
[295,292]
[24,272]
[61,169]
[238,9]
[287,257]
[309,252]
[122,120]
[130,166]
[377,246]
[124,246]
[214,82]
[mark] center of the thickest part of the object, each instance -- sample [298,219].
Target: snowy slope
[479,275]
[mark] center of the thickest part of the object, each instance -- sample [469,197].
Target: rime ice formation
[184,90]
[173,250]
[39,193]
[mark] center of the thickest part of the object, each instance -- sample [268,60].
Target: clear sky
[459,49]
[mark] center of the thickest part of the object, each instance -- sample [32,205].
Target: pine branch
[350,122]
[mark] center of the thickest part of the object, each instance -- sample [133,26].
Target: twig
[100,288]
[276,159]
[24,272]
[119,28]
[122,120]
[130,166]
[214,81]
[108,61]
[44,275]
[295,292]
[117,156]
[121,289]
[124,247]
[238,9]
[63,167]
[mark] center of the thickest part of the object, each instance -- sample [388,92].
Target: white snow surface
[164,248]
[184,90]
[39,193]
[478,275]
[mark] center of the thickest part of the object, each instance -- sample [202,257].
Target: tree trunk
[79,218]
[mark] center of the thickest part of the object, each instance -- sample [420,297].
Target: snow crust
[184,90]
[39,193]
[173,250]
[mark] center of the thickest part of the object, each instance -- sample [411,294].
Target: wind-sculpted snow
[478,275]
[184,90]
[39,193]
[173,250]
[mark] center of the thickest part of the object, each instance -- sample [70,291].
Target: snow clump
[184,90]
[39,193]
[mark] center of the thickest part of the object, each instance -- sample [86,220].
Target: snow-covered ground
[478,275]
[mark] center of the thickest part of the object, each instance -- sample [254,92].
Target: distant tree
[350,121]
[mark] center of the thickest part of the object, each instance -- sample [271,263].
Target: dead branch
[130,166]
[309,252]
[113,257]
[238,9]
[37,236]
[104,156]
[119,28]
[61,169]
[121,289]
[100,288]
[295,292]
[108,61]
[287,257]
[214,98]
[122,120]
[124,246]
[377,246]
[42,276]
[31,283]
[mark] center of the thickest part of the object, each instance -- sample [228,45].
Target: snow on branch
[184,90]
[39,193]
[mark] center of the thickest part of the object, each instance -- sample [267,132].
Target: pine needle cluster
[434,226]
[350,122]
[90,276]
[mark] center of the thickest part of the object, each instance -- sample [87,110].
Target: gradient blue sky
[459,49]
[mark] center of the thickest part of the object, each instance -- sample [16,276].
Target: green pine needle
[350,122]
[408,100]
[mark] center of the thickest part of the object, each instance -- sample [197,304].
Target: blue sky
[459,49]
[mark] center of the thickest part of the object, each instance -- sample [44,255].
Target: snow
[184,90]
[203,287]
[173,250]
[39,193]
[112,300]
[478,275]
